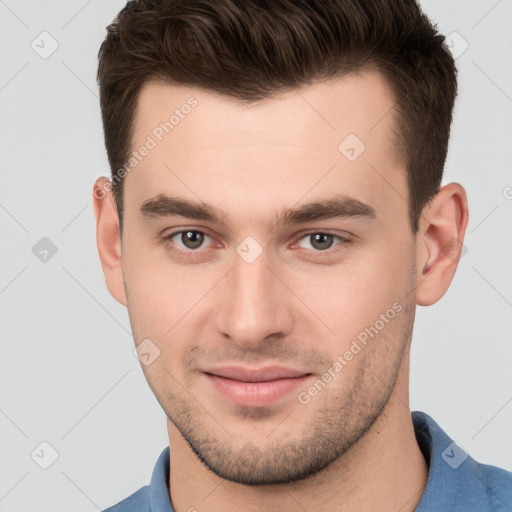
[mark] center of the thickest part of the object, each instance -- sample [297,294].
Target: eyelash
[192,253]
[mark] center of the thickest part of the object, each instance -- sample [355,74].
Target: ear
[439,242]
[108,238]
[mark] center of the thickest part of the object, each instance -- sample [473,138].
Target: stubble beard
[344,417]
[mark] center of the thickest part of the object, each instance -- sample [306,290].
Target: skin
[298,304]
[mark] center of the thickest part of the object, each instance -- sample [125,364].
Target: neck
[384,470]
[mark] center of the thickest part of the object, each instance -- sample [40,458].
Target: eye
[322,241]
[187,240]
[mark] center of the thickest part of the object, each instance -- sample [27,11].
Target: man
[275,215]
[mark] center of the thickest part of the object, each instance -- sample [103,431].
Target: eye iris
[321,241]
[192,239]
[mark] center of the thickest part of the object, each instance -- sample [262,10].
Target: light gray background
[67,372]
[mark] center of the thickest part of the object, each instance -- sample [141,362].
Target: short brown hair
[252,49]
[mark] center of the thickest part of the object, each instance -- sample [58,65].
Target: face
[267,255]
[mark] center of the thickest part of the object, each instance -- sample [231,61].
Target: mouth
[255,387]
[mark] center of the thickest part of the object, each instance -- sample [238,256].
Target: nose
[254,305]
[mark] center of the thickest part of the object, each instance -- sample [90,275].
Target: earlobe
[108,238]
[439,242]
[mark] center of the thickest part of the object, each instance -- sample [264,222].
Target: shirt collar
[159,500]
[455,480]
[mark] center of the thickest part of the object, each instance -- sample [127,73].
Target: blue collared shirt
[456,482]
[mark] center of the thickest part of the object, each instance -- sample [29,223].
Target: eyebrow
[338,206]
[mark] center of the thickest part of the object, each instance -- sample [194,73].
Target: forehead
[332,136]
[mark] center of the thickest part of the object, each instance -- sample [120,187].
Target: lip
[255,387]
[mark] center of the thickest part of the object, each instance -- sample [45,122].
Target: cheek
[351,297]
[169,303]
[158,293]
